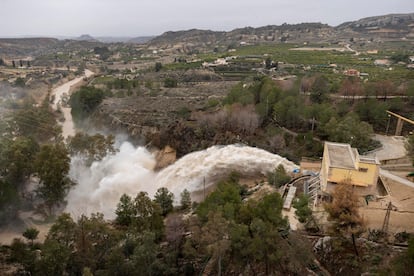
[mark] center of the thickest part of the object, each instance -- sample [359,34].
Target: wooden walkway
[289,198]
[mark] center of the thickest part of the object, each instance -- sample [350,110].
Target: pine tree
[185,200]
[165,199]
[31,234]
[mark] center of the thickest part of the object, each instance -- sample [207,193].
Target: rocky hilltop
[391,21]
[393,26]
[247,35]
[397,26]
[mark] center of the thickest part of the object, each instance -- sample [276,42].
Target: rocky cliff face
[165,157]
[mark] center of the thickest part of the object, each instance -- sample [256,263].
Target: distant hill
[113,39]
[86,37]
[385,26]
[189,36]
[140,39]
[24,46]
[390,21]
[392,26]
[282,33]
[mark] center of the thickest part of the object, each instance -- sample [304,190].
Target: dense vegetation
[31,146]
[32,149]
[320,115]
[225,236]
[292,122]
[84,102]
[228,233]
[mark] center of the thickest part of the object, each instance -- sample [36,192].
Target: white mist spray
[100,186]
[131,170]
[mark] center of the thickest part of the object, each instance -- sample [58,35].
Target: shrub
[85,100]
[278,177]
[170,83]
[303,212]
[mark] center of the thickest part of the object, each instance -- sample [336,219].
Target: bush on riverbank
[84,101]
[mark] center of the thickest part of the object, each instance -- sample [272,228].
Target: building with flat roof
[352,73]
[342,163]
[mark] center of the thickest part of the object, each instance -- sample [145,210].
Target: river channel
[59,95]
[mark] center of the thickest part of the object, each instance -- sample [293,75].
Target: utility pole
[387,218]
[313,123]
[388,124]
[267,106]
[204,188]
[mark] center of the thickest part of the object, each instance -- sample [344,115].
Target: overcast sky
[153,17]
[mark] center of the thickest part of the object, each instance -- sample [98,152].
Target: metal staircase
[313,188]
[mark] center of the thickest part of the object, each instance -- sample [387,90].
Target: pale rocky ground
[401,190]
[392,147]
[8,234]
[402,214]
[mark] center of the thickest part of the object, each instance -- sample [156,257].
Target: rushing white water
[131,170]
[68,128]
[206,167]
[100,186]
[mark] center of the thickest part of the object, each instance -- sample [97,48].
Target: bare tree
[343,212]
[350,87]
[384,88]
[174,229]
[243,119]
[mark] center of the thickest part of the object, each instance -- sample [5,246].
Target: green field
[307,62]
[319,61]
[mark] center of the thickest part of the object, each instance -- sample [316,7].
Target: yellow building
[341,163]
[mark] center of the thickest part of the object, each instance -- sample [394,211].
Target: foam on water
[207,166]
[131,170]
